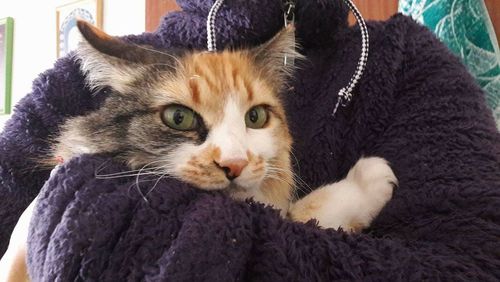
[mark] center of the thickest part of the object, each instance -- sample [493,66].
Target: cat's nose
[232,167]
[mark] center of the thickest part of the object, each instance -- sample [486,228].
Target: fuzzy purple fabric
[416,106]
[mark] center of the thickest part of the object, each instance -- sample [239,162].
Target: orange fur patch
[195,92]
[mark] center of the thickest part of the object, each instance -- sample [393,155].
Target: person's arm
[13,263]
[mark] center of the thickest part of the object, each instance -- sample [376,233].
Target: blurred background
[35,39]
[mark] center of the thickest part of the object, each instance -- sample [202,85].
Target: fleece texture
[416,106]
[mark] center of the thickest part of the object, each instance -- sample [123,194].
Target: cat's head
[212,119]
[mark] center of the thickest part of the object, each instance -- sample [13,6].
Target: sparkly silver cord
[211,36]
[345,94]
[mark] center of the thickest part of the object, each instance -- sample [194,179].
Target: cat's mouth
[229,188]
[235,188]
[213,178]
[226,186]
[235,191]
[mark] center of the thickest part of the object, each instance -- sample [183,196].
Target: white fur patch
[353,202]
[230,135]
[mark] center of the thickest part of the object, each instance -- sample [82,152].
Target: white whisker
[126,175]
[156,183]
[298,183]
[129,173]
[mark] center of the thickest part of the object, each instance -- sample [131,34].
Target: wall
[156,10]
[35,34]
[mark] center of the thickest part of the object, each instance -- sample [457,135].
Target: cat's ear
[270,56]
[110,61]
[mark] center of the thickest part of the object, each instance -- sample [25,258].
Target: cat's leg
[351,203]
[13,264]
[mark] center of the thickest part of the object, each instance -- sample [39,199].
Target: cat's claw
[353,202]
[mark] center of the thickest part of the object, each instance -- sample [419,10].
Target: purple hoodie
[416,106]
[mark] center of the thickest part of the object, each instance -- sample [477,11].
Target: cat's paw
[351,203]
[376,178]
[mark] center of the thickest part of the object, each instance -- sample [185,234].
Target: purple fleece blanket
[416,106]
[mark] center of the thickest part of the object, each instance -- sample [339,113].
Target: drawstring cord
[345,93]
[211,36]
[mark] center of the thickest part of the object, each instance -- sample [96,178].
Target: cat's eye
[256,117]
[179,117]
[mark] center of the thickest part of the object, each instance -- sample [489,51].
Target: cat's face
[244,135]
[213,120]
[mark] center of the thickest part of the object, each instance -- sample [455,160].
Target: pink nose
[232,167]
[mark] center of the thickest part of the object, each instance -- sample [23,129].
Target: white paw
[375,177]
[351,203]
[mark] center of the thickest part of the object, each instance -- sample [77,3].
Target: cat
[212,119]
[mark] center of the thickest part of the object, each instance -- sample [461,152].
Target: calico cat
[211,119]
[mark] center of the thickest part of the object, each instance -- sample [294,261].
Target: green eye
[179,117]
[256,117]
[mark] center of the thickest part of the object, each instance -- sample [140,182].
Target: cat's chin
[234,188]
[239,192]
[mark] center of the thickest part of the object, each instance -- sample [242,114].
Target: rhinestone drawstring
[211,36]
[345,93]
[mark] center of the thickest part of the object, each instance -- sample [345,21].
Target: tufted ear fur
[270,56]
[109,61]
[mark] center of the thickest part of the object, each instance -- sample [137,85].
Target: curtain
[466,28]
